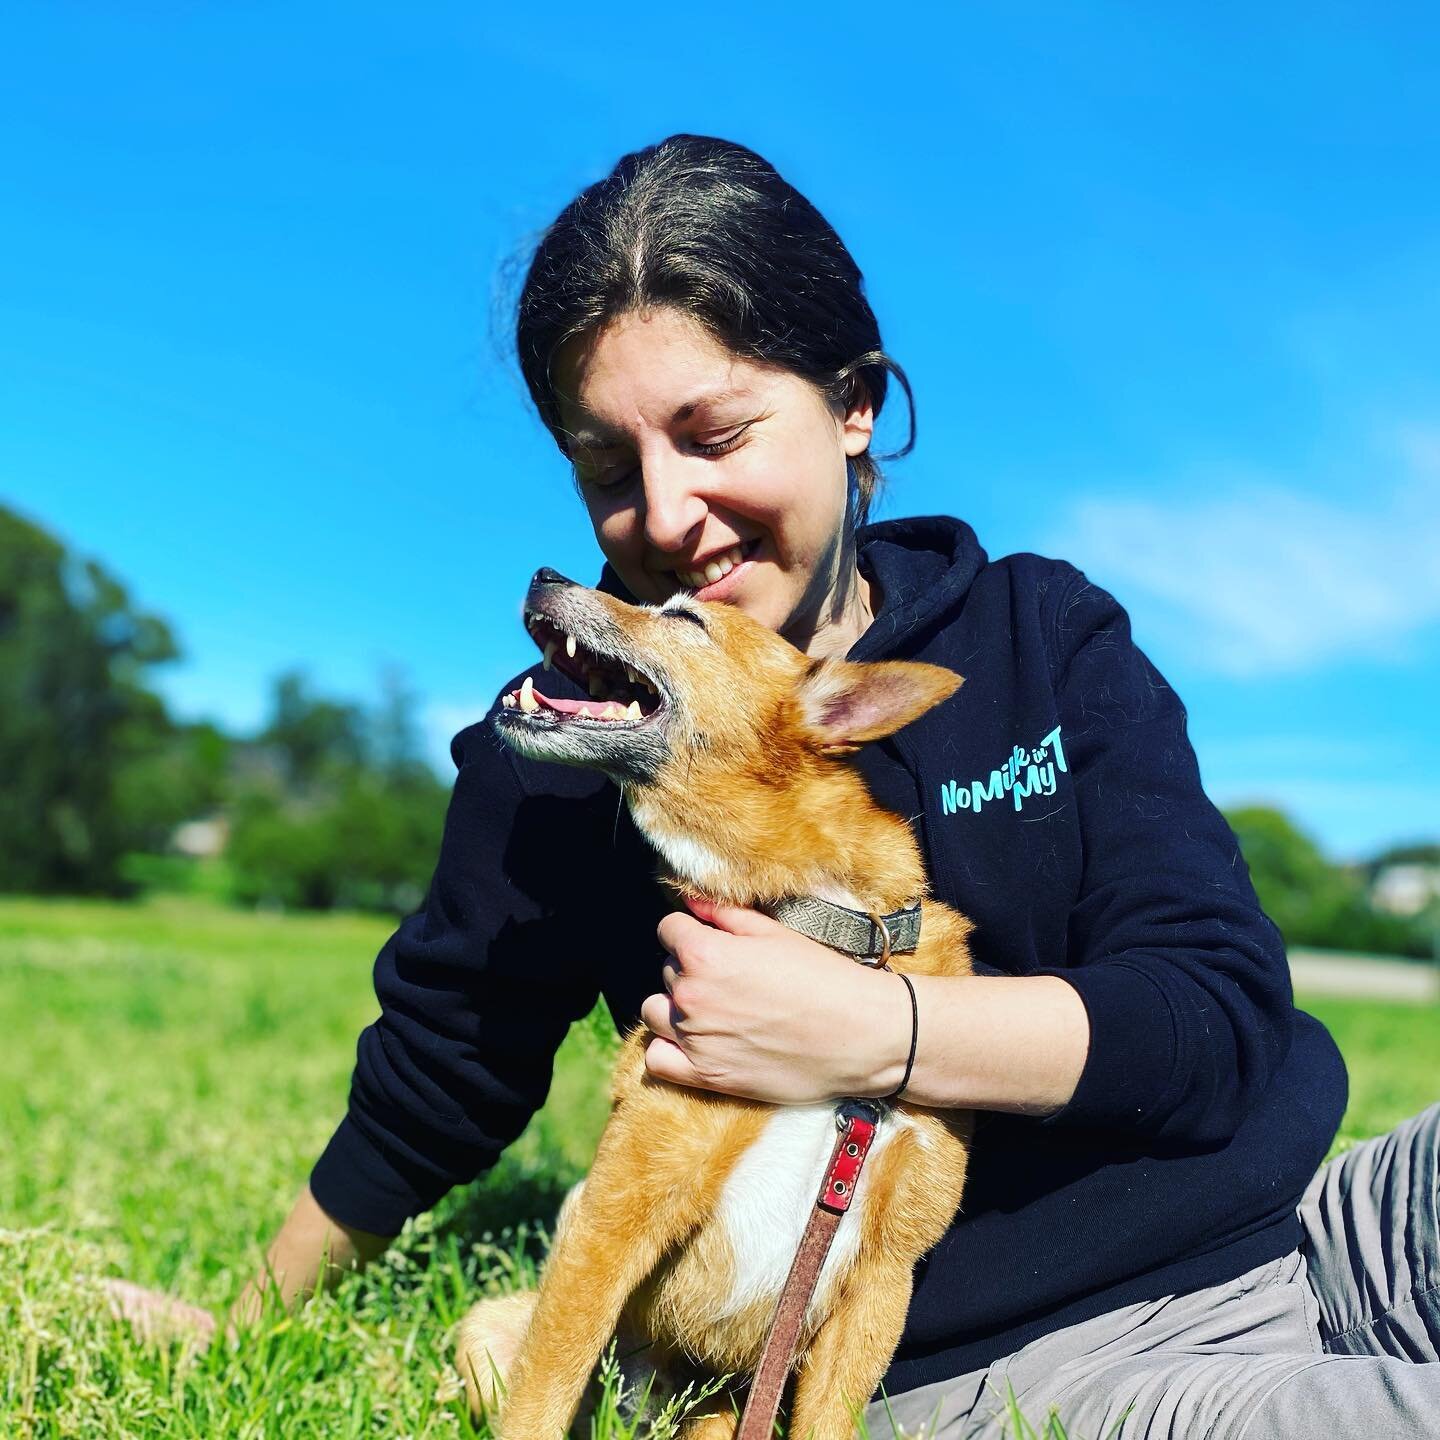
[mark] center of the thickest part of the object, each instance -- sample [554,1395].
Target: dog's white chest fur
[768,1198]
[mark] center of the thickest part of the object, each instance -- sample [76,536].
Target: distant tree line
[1318,903]
[329,804]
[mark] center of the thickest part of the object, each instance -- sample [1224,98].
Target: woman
[696,338]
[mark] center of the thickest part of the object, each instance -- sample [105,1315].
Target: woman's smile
[717,576]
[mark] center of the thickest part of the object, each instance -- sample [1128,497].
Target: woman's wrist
[892,1024]
[1009,1043]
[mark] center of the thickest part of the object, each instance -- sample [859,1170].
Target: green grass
[1393,1054]
[168,1073]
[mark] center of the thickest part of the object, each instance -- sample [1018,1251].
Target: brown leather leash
[858,1121]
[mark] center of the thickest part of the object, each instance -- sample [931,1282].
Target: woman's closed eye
[719,447]
[621,474]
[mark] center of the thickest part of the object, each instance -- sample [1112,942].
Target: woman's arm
[754,1009]
[1184,978]
[476,991]
[986,1042]
[311,1252]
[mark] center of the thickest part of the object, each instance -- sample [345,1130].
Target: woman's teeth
[719,566]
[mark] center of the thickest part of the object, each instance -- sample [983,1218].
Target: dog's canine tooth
[632,711]
[528,703]
[570,646]
[549,652]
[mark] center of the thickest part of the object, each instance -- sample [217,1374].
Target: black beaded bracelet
[914,1036]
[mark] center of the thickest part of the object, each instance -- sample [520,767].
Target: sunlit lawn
[169,1071]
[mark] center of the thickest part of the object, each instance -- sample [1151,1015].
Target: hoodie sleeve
[1184,978]
[476,993]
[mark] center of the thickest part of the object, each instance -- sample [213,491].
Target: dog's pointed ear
[843,704]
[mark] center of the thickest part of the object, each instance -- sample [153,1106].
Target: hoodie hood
[924,567]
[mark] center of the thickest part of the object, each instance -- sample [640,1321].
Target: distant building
[1405,889]
[201,839]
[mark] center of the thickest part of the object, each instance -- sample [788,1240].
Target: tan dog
[729,747]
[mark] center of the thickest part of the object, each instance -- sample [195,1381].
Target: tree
[174,773]
[345,813]
[1312,901]
[75,710]
[313,737]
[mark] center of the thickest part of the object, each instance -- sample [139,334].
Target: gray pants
[1340,1338]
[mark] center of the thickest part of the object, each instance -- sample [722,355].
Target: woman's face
[691,459]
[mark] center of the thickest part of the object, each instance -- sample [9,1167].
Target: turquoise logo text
[1024,773]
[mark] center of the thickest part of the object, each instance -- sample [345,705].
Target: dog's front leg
[625,1220]
[852,1350]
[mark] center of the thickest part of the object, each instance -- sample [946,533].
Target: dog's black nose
[546,576]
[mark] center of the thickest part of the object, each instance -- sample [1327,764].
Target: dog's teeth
[549,652]
[632,711]
[507,700]
[570,646]
[629,674]
[528,703]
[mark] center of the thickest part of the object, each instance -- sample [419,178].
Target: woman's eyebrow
[719,397]
[593,438]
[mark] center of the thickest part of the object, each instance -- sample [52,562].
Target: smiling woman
[697,339]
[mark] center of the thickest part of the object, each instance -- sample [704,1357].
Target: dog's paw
[488,1341]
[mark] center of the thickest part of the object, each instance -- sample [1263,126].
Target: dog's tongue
[594,709]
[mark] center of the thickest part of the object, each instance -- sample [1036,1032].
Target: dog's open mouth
[620,694]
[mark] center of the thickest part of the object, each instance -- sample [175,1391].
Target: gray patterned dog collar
[852,931]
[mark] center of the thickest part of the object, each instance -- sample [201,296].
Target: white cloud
[1266,579]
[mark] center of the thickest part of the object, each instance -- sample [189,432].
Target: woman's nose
[673,509]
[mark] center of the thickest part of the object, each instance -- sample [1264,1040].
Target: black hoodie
[1058,804]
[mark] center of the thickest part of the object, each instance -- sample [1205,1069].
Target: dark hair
[711,229]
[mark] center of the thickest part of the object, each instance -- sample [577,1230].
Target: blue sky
[1166,281]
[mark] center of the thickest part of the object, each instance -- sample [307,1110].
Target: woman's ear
[843,704]
[857,423]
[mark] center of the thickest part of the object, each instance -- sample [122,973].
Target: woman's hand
[157,1318]
[752,1008]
